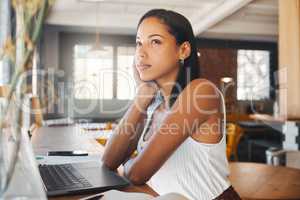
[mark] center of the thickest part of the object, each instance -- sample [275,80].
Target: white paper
[114,195]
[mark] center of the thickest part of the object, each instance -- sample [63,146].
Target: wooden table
[270,118]
[251,180]
[45,139]
[267,118]
[261,181]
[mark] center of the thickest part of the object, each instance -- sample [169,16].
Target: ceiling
[233,19]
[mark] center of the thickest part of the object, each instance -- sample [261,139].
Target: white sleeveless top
[196,170]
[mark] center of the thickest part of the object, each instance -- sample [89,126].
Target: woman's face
[157,53]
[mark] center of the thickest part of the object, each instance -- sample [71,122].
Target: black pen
[67,153]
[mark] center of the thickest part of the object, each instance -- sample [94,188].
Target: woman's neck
[166,84]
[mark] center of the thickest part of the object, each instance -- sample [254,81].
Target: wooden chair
[235,117]
[234,134]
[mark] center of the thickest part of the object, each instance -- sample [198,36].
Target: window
[253,75]
[94,75]
[6,18]
[125,81]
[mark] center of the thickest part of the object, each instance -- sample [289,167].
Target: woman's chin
[146,78]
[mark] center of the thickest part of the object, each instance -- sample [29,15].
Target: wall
[50,48]
[217,63]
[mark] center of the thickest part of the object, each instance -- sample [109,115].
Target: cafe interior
[77,56]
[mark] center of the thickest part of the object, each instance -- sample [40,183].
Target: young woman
[176,119]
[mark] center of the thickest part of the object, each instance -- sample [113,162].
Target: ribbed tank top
[196,170]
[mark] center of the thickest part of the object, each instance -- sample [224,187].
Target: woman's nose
[141,52]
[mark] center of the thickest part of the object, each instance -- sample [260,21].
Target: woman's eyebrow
[153,35]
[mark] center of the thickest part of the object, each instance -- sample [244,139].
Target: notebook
[114,194]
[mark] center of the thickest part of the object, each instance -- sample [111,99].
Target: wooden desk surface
[143,189]
[261,181]
[271,118]
[251,180]
[66,138]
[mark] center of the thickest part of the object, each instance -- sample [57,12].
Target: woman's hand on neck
[145,93]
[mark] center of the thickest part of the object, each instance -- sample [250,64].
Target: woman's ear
[185,50]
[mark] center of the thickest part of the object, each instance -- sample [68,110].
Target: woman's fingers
[136,75]
[145,89]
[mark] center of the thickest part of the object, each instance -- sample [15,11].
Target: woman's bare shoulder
[199,95]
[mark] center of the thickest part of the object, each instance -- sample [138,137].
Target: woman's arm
[194,105]
[125,137]
[123,140]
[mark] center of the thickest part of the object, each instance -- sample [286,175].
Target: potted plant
[19,177]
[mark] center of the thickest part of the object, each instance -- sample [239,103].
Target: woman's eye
[138,44]
[155,42]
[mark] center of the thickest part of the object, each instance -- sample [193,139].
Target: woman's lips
[143,67]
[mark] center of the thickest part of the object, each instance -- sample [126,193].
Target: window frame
[7,18]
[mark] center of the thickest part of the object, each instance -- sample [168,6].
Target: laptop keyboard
[62,177]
